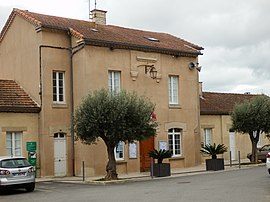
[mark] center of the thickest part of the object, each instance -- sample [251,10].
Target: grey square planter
[215,164]
[161,170]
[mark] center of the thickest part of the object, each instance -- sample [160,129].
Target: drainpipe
[71,53]
[40,67]
[71,106]
[221,129]
[41,87]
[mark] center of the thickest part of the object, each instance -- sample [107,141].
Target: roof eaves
[20,109]
[71,30]
[120,45]
[202,112]
[75,33]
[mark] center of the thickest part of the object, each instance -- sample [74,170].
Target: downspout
[221,129]
[71,105]
[71,54]
[40,67]
[41,90]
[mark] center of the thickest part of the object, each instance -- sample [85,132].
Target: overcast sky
[234,33]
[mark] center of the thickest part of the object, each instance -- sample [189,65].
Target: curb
[79,180]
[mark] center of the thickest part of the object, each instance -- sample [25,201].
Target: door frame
[145,147]
[60,138]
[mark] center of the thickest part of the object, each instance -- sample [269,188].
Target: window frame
[117,152]
[173,89]
[173,147]
[114,81]
[205,133]
[57,87]
[14,147]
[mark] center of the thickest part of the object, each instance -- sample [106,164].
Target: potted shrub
[161,169]
[213,150]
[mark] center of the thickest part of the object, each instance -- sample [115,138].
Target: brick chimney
[99,16]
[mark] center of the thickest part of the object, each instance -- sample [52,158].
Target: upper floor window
[14,144]
[58,87]
[114,81]
[174,137]
[119,151]
[173,89]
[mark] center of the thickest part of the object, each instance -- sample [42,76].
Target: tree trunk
[254,141]
[111,165]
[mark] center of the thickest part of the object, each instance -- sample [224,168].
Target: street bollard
[230,158]
[83,171]
[152,168]
[239,159]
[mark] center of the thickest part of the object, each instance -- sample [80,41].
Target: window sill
[174,106]
[59,105]
[176,158]
[119,162]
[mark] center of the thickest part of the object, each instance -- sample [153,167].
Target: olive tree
[252,117]
[114,117]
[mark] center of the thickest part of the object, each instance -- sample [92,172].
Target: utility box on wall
[31,148]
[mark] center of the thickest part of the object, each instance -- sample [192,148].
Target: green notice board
[31,146]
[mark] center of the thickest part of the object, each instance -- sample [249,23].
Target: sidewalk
[146,175]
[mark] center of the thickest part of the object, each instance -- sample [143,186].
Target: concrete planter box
[215,164]
[161,169]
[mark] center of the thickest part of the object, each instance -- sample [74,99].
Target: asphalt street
[244,185]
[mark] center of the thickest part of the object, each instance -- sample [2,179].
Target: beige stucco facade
[220,126]
[24,123]
[27,61]
[92,73]
[20,50]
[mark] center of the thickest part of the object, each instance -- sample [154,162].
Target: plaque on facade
[132,150]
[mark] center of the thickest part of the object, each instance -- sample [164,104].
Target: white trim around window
[119,151]
[175,141]
[207,136]
[14,143]
[114,81]
[173,88]
[58,87]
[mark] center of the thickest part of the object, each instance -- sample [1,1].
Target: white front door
[59,154]
[232,145]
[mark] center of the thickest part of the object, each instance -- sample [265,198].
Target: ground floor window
[207,136]
[174,137]
[119,151]
[14,143]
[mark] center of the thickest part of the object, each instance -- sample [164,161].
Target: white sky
[234,33]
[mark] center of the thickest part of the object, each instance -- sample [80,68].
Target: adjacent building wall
[19,56]
[31,67]
[27,123]
[221,125]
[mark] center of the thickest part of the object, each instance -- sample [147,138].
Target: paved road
[247,185]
